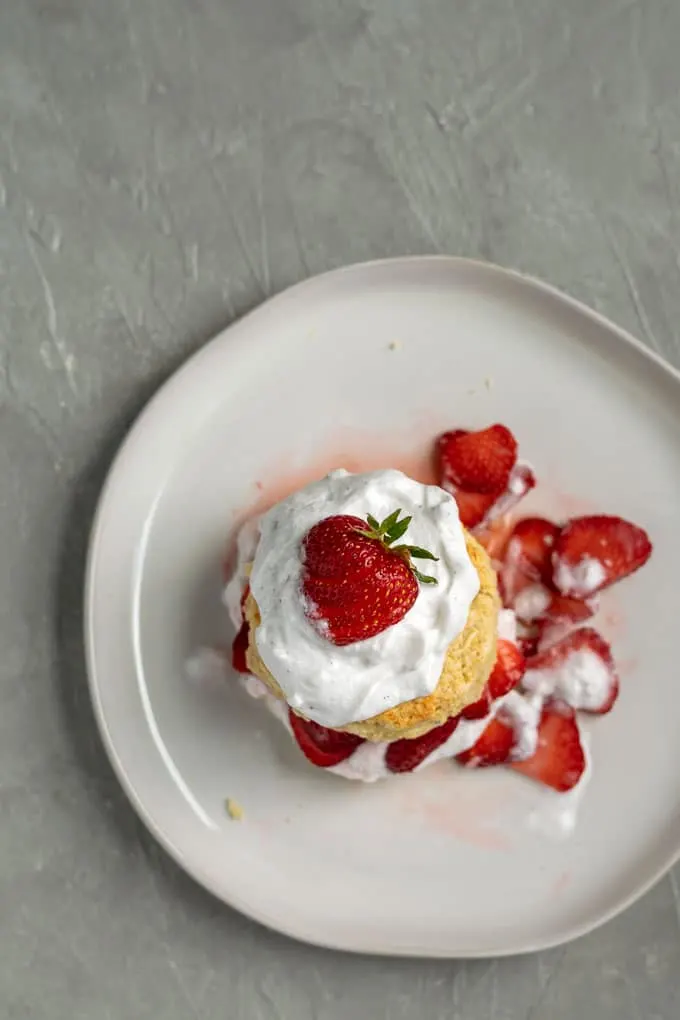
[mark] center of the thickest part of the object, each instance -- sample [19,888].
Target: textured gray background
[165,165]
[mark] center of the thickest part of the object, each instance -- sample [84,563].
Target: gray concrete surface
[165,165]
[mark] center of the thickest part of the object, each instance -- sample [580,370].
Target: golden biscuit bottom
[468,663]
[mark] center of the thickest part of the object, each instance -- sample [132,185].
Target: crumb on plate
[234,809]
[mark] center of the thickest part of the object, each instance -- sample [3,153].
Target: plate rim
[116,469]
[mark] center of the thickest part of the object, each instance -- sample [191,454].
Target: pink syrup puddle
[445,802]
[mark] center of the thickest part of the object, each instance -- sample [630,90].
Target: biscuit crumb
[394,346]
[234,809]
[488,383]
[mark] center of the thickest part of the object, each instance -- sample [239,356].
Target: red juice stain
[354,454]
[353,451]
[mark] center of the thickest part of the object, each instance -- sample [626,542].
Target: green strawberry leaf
[397,530]
[421,554]
[389,522]
[389,531]
[424,578]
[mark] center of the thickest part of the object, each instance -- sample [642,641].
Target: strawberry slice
[522,480]
[562,609]
[508,669]
[473,507]
[593,552]
[548,633]
[478,462]
[478,709]
[406,755]
[527,563]
[578,670]
[239,648]
[528,644]
[494,536]
[535,603]
[492,748]
[559,760]
[481,510]
[481,471]
[530,547]
[321,746]
[507,672]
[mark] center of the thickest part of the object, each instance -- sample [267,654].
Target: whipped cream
[532,602]
[582,679]
[506,625]
[337,685]
[579,579]
[523,713]
[246,544]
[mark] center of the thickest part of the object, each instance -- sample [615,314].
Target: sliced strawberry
[511,582]
[239,648]
[549,633]
[472,507]
[522,480]
[478,709]
[321,746]
[559,760]
[593,552]
[530,547]
[495,536]
[527,564]
[528,644]
[481,471]
[578,670]
[493,747]
[478,462]
[536,602]
[560,608]
[406,755]
[508,669]
[533,602]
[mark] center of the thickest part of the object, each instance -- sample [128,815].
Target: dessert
[414,673]
[390,624]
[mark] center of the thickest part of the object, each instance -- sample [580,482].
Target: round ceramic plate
[361,368]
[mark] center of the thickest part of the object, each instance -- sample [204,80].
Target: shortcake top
[339,685]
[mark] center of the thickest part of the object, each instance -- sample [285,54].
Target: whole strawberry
[356,580]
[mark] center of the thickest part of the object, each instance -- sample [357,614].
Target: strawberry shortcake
[390,624]
[345,625]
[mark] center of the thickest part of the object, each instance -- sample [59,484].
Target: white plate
[356,368]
